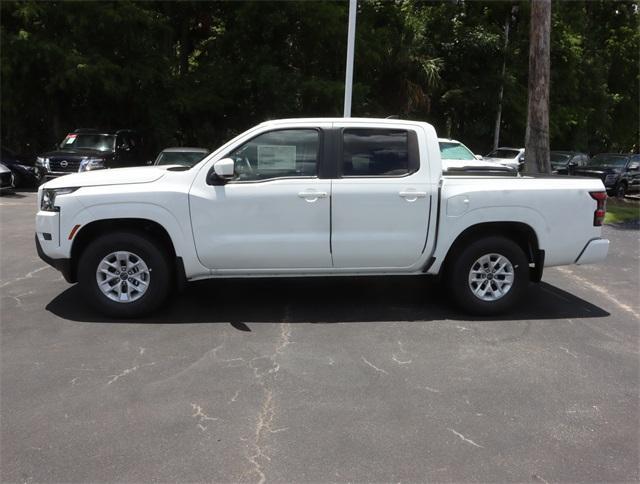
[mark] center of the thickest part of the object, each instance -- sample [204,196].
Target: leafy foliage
[198,72]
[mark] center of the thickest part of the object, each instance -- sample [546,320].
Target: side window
[277,154]
[375,152]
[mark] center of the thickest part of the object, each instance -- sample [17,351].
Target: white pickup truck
[316,197]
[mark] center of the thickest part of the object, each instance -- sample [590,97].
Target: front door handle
[312,195]
[412,195]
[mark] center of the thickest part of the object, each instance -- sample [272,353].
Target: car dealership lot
[338,379]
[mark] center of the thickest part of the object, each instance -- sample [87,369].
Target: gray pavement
[334,380]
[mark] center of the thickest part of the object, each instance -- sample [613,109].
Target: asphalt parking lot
[341,380]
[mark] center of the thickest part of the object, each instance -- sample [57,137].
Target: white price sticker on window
[70,139]
[276,157]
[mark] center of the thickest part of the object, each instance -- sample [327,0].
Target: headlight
[42,162]
[89,164]
[48,201]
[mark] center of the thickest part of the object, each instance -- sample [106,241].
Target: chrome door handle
[312,195]
[412,195]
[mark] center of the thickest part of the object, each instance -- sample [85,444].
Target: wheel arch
[521,233]
[92,230]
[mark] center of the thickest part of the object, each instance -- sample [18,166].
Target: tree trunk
[496,132]
[537,134]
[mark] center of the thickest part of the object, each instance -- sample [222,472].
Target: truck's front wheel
[489,276]
[124,274]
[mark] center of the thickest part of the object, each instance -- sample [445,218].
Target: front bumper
[63,265]
[595,251]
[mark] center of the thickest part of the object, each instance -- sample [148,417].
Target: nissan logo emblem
[64,163]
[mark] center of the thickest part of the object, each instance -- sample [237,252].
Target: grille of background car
[72,165]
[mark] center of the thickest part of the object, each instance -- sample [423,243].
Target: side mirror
[634,166]
[479,157]
[223,170]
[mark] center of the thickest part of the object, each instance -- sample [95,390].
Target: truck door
[381,199]
[274,214]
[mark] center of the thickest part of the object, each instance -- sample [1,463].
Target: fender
[452,226]
[179,232]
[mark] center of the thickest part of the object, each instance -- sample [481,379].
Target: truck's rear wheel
[489,276]
[124,274]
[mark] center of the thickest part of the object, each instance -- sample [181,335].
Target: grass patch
[621,211]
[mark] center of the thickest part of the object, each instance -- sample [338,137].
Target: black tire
[621,190]
[160,273]
[459,267]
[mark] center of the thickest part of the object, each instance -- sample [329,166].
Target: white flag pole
[351,40]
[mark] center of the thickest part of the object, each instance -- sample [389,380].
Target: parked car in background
[92,149]
[513,157]
[457,157]
[619,173]
[24,171]
[6,178]
[562,160]
[183,156]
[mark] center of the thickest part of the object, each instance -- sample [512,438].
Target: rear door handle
[312,195]
[412,195]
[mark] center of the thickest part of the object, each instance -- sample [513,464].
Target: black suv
[92,149]
[619,173]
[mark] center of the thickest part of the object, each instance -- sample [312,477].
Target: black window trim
[319,162]
[413,152]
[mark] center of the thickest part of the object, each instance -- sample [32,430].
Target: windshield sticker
[276,157]
[70,139]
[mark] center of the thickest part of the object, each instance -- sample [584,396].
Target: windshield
[559,159]
[455,151]
[99,142]
[502,153]
[184,158]
[617,161]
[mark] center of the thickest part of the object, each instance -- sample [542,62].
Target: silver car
[6,178]
[512,157]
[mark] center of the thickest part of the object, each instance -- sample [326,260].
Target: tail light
[601,207]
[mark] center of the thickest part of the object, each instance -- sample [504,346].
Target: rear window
[378,152]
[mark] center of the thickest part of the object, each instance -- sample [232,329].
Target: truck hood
[116,176]
[597,171]
[82,152]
